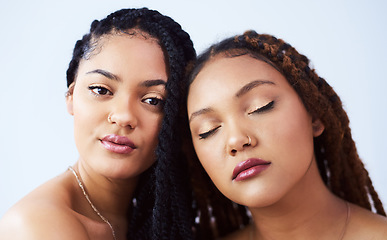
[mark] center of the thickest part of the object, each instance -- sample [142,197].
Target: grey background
[346,41]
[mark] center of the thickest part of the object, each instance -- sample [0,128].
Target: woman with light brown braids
[275,140]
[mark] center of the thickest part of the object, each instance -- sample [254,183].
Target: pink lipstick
[118,144]
[249,168]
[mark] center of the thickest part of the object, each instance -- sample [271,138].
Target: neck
[112,197]
[307,211]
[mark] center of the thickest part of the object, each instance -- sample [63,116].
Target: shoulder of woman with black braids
[113,189]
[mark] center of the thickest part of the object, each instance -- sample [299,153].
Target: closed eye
[263,109]
[208,133]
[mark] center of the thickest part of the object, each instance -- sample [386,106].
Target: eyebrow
[251,85]
[147,83]
[200,112]
[105,73]
[151,83]
[243,90]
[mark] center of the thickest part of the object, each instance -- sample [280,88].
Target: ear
[318,127]
[69,99]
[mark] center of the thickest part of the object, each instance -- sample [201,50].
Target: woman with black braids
[124,86]
[275,140]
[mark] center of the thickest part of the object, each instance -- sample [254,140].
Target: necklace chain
[91,204]
[342,233]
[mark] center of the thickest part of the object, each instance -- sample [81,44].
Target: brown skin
[58,209]
[288,200]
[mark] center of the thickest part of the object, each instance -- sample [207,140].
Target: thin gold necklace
[342,233]
[91,204]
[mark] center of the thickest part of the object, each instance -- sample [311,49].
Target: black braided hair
[338,162]
[162,203]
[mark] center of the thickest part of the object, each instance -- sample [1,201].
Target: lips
[249,168]
[118,144]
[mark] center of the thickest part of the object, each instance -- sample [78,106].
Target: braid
[338,161]
[142,206]
[170,166]
[162,206]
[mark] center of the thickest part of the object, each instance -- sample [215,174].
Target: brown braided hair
[339,164]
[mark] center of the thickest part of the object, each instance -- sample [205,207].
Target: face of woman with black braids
[250,130]
[117,104]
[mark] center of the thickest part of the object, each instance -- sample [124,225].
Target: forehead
[133,58]
[97,43]
[119,45]
[224,76]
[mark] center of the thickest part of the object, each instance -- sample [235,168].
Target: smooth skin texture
[125,81]
[288,199]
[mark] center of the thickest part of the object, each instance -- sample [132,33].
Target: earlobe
[69,103]
[69,99]
[318,127]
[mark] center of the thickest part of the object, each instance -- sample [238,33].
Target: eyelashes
[208,133]
[99,90]
[259,110]
[263,109]
[154,101]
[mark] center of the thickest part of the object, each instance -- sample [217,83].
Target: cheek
[200,152]
[292,126]
[151,126]
[293,143]
[85,116]
[212,160]
[298,131]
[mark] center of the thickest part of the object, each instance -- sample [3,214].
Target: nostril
[233,151]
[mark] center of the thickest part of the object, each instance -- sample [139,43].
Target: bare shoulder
[42,214]
[365,224]
[40,222]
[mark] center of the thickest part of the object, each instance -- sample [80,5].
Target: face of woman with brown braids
[250,130]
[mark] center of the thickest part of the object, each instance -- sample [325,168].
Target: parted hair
[161,207]
[339,164]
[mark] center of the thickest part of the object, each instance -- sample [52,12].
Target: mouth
[118,144]
[249,168]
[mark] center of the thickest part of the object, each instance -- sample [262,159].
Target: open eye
[99,90]
[154,101]
[265,108]
[208,133]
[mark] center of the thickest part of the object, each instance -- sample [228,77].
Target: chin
[121,174]
[257,199]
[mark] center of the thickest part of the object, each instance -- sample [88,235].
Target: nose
[238,140]
[123,114]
